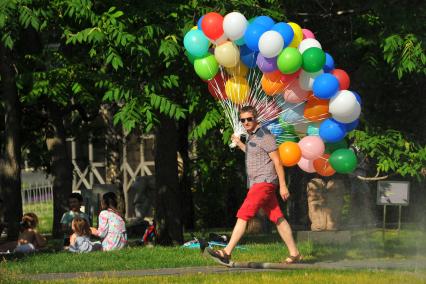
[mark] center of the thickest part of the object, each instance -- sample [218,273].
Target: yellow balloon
[298,35]
[239,70]
[237,89]
[194,28]
[227,54]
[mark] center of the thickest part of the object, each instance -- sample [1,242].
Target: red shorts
[261,195]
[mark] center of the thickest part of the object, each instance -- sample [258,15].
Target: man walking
[264,173]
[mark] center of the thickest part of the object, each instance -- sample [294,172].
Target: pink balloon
[307,34]
[306,165]
[312,147]
[294,94]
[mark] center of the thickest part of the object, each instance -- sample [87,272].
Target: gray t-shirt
[83,244]
[259,166]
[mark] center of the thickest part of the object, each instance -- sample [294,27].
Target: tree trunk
[61,168]
[168,211]
[184,181]
[113,141]
[10,161]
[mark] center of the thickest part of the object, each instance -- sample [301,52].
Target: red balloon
[212,25]
[291,77]
[343,78]
[217,86]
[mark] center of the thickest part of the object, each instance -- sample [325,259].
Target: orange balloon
[323,167]
[316,109]
[272,88]
[290,153]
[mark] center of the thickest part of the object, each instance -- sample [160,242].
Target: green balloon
[343,161]
[313,59]
[190,57]
[206,67]
[331,147]
[289,60]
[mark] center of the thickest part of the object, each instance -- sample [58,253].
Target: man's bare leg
[237,233]
[284,230]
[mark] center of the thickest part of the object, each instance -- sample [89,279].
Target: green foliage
[404,54]
[211,120]
[392,151]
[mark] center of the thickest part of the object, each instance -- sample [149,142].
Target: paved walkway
[408,264]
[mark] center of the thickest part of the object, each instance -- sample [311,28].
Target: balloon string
[269,107]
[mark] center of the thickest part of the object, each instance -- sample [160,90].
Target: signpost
[394,193]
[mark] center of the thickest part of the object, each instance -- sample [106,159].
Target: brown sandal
[293,259]
[219,256]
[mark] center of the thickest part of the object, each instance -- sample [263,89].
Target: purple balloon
[266,64]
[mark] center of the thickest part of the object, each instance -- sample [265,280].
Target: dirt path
[406,264]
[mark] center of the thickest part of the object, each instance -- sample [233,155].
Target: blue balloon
[253,34]
[265,21]
[329,63]
[332,131]
[248,56]
[357,96]
[351,126]
[199,23]
[196,43]
[285,31]
[293,113]
[325,86]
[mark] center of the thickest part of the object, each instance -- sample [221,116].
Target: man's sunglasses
[249,119]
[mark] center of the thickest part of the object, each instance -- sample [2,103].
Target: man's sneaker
[219,256]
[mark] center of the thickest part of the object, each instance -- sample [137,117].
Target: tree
[10,162]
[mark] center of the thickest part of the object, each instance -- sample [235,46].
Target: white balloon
[308,43]
[270,44]
[306,79]
[235,25]
[344,107]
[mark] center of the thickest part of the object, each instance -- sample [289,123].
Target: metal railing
[37,193]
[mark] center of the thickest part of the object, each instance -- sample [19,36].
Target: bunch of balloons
[282,70]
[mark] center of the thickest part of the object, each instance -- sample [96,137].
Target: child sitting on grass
[29,239]
[80,240]
[112,228]
[74,200]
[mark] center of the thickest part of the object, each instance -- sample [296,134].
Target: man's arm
[285,194]
[236,139]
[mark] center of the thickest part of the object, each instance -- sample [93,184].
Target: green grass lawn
[257,248]
[280,277]
[289,276]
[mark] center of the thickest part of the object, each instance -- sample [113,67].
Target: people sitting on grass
[75,201]
[111,228]
[29,240]
[80,239]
